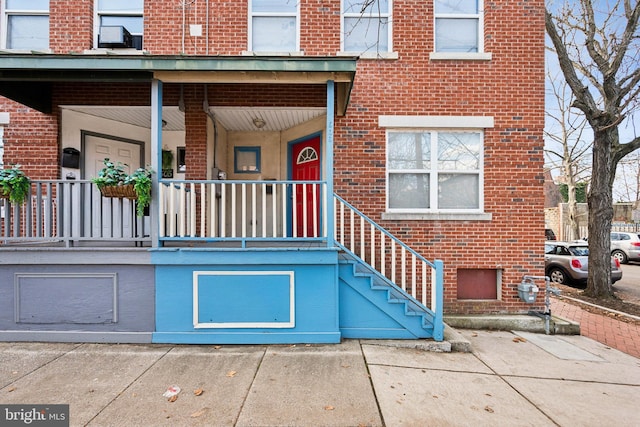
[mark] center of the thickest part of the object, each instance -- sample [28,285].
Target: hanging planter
[113,181]
[14,185]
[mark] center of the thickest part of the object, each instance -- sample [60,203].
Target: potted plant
[14,185]
[113,181]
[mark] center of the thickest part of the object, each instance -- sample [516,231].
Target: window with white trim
[458,26]
[434,171]
[126,13]
[274,25]
[25,24]
[366,26]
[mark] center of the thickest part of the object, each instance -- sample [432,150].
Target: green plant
[167,159]
[141,180]
[14,184]
[114,174]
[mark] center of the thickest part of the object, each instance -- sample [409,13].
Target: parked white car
[625,247]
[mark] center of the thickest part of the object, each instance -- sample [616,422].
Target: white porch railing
[242,210]
[393,259]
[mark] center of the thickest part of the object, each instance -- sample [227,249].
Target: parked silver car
[566,263]
[625,247]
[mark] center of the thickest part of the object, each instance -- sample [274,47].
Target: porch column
[156,160]
[330,216]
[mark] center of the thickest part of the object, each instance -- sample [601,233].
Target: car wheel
[557,275]
[620,256]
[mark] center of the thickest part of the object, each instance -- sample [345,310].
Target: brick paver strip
[608,330]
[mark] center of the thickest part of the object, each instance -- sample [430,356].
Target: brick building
[424,118]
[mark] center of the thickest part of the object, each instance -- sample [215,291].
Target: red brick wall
[70,25]
[509,87]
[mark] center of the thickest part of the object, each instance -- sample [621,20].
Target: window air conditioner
[114,36]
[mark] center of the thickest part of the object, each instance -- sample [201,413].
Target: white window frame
[480,54]
[97,14]
[434,125]
[251,14]
[17,12]
[374,52]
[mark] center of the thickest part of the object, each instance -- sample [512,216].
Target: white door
[111,217]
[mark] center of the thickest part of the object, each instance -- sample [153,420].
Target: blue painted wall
[250,290]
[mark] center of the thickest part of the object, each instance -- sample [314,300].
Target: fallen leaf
[329,408]
[173,398]
[489,409]
[231,374]
[519,339]
[345,366]
[11,389]
[199,413]
[218,347]
[198,392]
[307,345]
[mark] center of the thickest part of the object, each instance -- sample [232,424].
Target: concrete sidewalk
[509,379]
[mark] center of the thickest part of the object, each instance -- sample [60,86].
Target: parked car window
[579,250]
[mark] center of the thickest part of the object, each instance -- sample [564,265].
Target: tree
[568,150]
[598,54]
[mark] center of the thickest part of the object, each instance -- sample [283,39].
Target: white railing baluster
[163,210]
[213,232]
[341,223]
[373,246]
[264,210]
[274,210]
[305,220]
[283,214]
[223,210]
[254,212]
[404,268]
[353,232]
[363,252]
[243,226]
[423,300]
[203,209]
[194,212]
[294,213]
[383,255]
[233,210]
[172,211]
[414,292]
[314,187]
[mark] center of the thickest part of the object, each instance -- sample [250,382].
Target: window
[273,26]
[246,160]
[366,26]
[26,24]
[125,13]
[458,25]
[431,171]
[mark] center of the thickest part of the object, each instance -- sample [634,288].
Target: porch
[302,274]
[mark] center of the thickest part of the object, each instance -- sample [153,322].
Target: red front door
[305,157]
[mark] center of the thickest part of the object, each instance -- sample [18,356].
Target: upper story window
[274,25]
[434,171]
[119,13]
[366,26]
[25,24]
[458,26]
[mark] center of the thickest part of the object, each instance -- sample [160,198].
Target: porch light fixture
[259,122]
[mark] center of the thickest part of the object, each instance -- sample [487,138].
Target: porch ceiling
[239,119]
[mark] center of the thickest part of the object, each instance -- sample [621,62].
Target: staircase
[384,284]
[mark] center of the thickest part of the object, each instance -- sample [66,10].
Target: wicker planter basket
[119,191]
